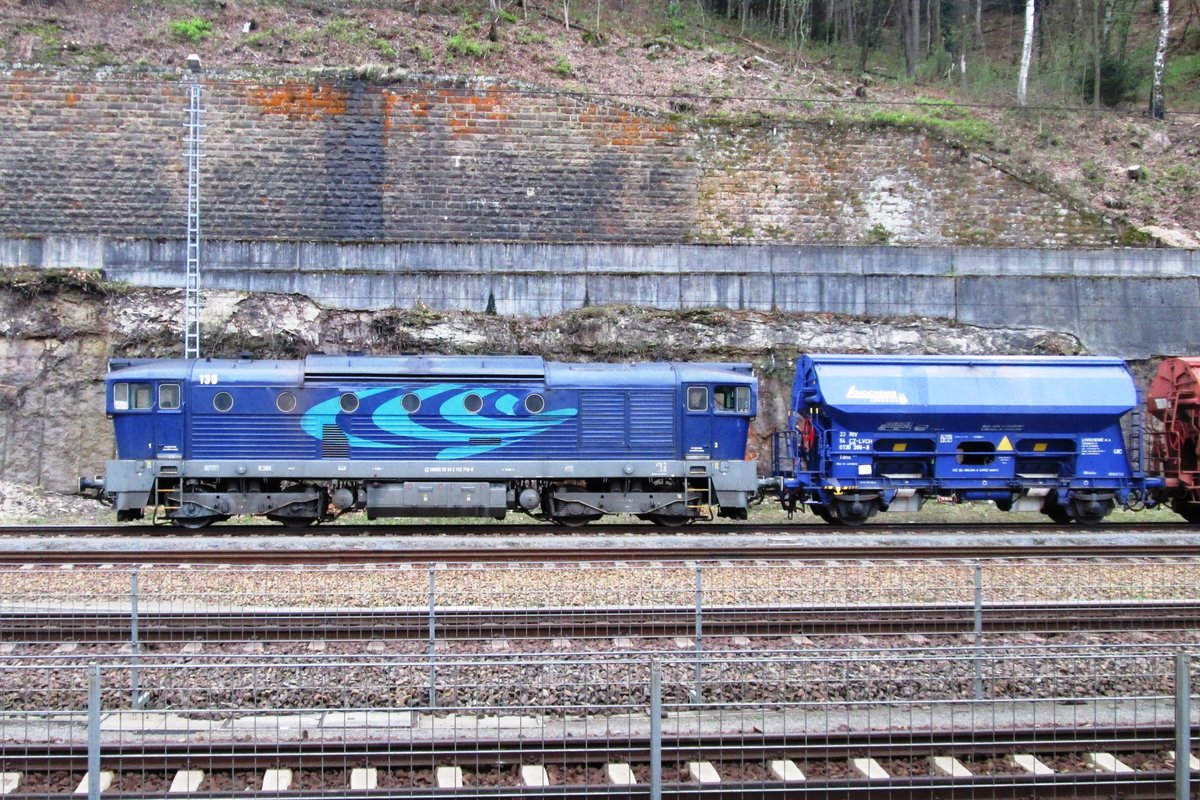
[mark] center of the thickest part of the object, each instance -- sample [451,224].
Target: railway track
[980,763]
[88,625]
[681,549]
[801,527]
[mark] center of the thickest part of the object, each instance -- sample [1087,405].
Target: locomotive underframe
[199,492]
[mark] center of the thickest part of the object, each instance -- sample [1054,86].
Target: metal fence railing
[151,600]
[833,717]
[409,678]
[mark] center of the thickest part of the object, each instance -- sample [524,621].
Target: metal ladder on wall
[191,298]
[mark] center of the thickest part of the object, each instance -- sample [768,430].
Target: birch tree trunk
[1157,102]
[1026,54]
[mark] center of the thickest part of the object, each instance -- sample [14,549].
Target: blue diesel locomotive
[874,433]
[199,441]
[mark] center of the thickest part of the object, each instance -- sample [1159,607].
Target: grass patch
[940,119]
[563,67]
[463,46]
[351,31]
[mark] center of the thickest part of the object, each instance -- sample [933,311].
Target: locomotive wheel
[295,523]
[196,523]
[576,521]
[666,520]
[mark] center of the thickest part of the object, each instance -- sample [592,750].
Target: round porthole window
[472,403]
[410,403]
[286,402]
[535,403]
[222,401]
[349,403]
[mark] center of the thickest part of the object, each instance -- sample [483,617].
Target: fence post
[135,644]
[1183,725]
[432,638]
[93,758]
[655,731]
[978,631]
[698,690]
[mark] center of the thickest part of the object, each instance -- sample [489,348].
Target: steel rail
[682,551]
[81,624]
[482,529]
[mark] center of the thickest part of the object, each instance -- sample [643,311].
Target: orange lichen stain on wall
[631,130]
[301,102]
[468,110]
[72,99]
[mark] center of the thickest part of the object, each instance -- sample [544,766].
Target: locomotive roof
[510,367]
[342,369]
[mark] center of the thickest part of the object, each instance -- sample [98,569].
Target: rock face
[60,329]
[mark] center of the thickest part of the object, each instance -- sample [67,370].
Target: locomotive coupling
[87,484]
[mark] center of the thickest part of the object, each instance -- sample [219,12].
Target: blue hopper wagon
[874,433]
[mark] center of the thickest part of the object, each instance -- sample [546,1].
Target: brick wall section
[814,183]
[347,160]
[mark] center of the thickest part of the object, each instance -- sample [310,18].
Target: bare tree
[1026,53]
[1157,102]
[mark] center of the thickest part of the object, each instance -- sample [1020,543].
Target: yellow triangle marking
[1005,444]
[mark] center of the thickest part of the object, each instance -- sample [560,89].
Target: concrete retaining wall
[1129,303]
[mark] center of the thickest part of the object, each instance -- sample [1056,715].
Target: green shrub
[563,67]
[191,30]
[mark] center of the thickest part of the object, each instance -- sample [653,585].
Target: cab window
[168,396]
[137,396]
[697,398]
[732,398]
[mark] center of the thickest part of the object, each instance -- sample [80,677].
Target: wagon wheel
[853,513]
[823,512]
[1057,513]
[1189,511]
[1091,517]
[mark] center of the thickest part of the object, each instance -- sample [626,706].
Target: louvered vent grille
[334,443]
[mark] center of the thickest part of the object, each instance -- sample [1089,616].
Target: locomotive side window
[168,396]
[535,403]
[121,396]
[732,398]
[349,403]
[697,398]
[286,402]
[222,401]
[410,403]
[138,396]
[472,403]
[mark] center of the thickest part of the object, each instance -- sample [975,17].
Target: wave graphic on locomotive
[199,441]
[303,441]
